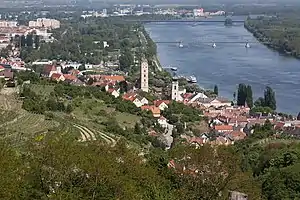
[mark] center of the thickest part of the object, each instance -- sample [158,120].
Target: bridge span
[185,21]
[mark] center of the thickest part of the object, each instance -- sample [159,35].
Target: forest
[281,33]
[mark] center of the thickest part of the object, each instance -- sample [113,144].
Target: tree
[29,40]
[126,61]
[216,90]
[242,94]
[37,41]
[81,68]
[298,116]
[269,98]
[249,97]
[260,102]
[123,86]
[23,41]
[137,129]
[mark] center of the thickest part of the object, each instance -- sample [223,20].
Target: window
[144,71]
[144,80]
[175,87]
[145,75]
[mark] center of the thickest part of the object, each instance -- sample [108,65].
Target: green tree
[81,68]
[137,129]
[29,40]
[242,94]
[249,96]
[126,61]
[23,41]
[269,98]
[216,90]
[37,41]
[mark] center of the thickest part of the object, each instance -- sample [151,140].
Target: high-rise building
[175,89]
[144,76]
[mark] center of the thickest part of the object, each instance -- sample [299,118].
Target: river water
[228,64]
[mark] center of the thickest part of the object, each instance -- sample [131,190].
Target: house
[197,96]
[223,128]
[161,104]
[220,140]
[238,121]
[113,92]
[162,121]
[197,141]
[7,74]
[75,72]
[216,102]
[144,101]
[69,77]
[57,77]
[129,96]
[49,70]
[115,78]
[155,110]
[237,135]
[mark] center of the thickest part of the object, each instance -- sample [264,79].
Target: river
[228,64]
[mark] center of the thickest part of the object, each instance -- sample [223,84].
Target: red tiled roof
[223,128]
[237,135]
[55,76]
[158,102]
[70,77]
[113,78]
[197,140]
[153,109]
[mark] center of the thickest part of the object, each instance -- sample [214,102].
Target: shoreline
[272,46]
[205,89]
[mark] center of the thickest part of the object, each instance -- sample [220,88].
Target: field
[93,110]
[43,90]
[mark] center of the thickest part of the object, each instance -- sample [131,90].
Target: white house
[113,92]
[162,121]
[197,96]
[137,102]
[161,104]
[144,101]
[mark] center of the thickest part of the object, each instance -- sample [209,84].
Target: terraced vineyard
[27,125]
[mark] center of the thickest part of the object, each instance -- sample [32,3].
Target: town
[89,85]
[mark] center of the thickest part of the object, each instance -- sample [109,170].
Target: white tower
[144,76]
[175,89]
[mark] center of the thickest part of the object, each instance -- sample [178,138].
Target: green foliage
[280,33]
[126,61]
[270,100]
[244,95]
[180,112]
[216,90]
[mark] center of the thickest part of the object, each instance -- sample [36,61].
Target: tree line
[245,97]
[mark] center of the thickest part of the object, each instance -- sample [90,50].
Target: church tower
[175,89]
[144,75]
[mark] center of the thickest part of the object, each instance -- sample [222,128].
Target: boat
[247,45]
[192,79]
[214,45]
[174,68]
[180,45]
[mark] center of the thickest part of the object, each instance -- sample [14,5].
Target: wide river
[228,64]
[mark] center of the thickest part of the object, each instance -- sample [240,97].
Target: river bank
[276,38]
